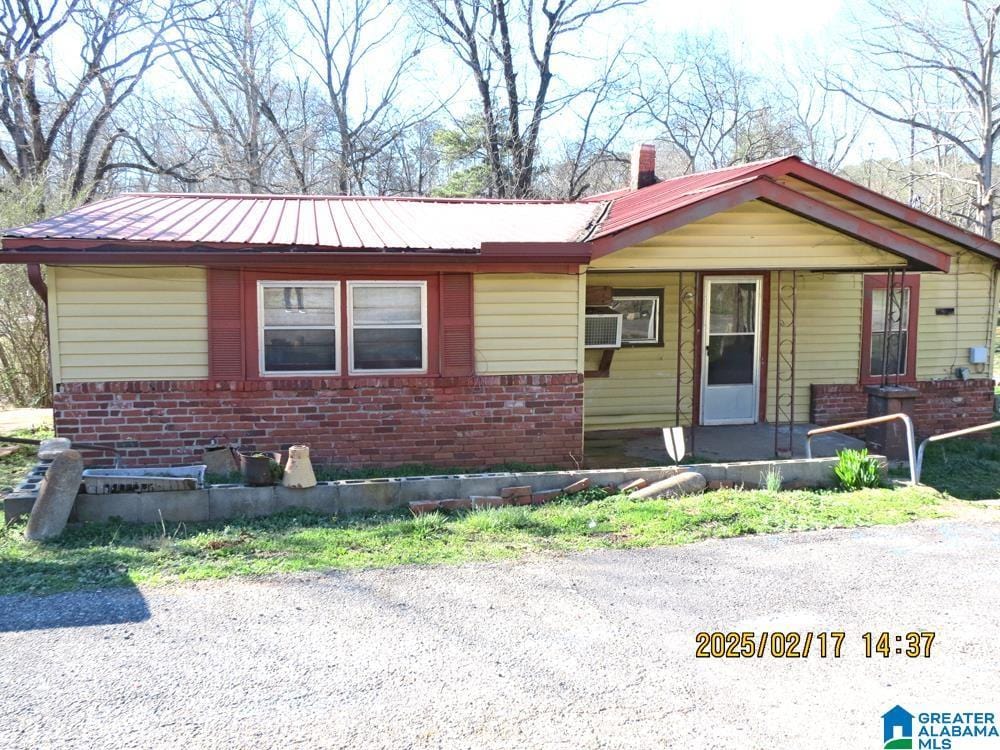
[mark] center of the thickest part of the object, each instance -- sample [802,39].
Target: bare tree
[361,58]
[590,162]
[939,81]
[711,108]
[826,133]
[53,109]
[495,40]
[255,119]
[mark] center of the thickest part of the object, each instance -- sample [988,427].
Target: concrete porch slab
[751,442]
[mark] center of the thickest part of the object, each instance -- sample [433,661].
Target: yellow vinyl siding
[640,392]
[115,323]
[528,323]
[943,341]
[827,337]
[752,236]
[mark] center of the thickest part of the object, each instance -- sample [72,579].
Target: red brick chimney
[643,166]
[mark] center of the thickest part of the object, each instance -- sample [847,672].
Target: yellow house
[477,332]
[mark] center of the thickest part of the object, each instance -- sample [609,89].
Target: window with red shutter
[225,324]
[457,354]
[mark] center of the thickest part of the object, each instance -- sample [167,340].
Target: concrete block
[484,484]
[232,502]
[424,488]
[368,494]
[186,505]
[16,507]
[323,498]
[101,508]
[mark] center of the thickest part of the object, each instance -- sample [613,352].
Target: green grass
[116,554]
[964,468]
[15,466]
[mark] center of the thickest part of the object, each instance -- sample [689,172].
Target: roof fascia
[884,205]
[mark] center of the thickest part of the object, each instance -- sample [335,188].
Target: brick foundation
[942,406]
[464,422]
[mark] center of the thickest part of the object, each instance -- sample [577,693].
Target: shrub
[856,469]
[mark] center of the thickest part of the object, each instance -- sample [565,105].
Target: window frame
[879,282]
[335,284]
[655,294]
[349,297]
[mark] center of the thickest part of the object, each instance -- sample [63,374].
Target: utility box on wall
[978,355]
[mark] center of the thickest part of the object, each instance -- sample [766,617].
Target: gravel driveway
[589,650]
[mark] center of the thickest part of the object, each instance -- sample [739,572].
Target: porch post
[688,351]
[784,362]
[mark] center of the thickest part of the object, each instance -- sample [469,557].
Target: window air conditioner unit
[603,331]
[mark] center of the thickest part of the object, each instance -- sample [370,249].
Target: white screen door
[730,369]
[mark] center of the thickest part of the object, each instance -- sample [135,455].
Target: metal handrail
[947,436]
[910,440]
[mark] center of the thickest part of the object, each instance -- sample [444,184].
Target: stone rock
[685,483]
[56,496]
[299,473]
[52,447]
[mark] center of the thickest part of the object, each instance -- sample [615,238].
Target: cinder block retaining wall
[222,502]
[385,421]
[942,406]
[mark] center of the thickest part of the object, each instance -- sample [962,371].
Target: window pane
[289,350]
[386,305]
[730,360]
[638,318]
[388,349]
[299,306]
[896,354]
[732,307]
[878,310]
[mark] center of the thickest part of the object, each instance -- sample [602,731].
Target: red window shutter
[225,325]
[457,355]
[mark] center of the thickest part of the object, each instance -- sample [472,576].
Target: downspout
[38,284]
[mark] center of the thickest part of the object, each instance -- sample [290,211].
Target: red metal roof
[139,226]
[316,222]
[631,207]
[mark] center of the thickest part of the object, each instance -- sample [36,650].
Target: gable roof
[629,208]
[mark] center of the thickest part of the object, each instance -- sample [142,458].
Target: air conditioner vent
[603,331]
